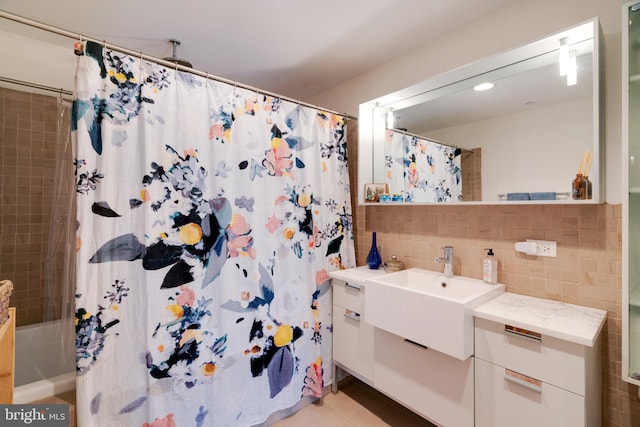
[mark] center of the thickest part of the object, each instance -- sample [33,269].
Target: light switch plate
[545,248]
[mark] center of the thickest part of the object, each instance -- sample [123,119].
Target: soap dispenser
[490,268]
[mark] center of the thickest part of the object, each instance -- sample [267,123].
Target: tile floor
[355,405]
[68,397]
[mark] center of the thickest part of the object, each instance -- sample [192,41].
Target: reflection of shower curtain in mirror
[422,170]
[209,218]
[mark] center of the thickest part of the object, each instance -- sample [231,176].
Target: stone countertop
[356,275]
[573,323]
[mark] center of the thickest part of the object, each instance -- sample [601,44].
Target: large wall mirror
[525,139]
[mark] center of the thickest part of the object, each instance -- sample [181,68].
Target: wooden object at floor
[7,357]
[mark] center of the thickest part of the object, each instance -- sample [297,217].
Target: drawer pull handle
[416,343]
[352,315]
[523,380]
[349,285]
[523,333]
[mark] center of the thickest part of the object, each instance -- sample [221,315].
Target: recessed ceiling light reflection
[483,86]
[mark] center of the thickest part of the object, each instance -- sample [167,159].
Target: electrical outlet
[545,247]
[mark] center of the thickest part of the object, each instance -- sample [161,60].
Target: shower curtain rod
[404,132]
[77,36]
[36,86]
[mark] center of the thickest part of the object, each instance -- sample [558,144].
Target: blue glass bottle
[373,259]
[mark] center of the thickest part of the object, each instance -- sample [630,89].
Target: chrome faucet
[447,259]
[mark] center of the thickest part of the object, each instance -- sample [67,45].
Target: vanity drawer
[436,386]
[551,360]
[348,295]
[506,399]
[352,342]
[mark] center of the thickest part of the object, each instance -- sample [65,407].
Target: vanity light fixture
[572,69]
[483,86]
[567,61]
[563,59]
[390,119]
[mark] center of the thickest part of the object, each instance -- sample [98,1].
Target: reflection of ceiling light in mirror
[564,56]
[390,119]
[572,69]
[483,86]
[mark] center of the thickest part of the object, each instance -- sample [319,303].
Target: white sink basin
[428,308]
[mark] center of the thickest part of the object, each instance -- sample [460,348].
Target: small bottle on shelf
[490,268]
[579,188]
[589,192]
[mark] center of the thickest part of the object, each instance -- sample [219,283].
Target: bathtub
[45,360]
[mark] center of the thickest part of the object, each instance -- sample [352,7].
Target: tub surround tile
[28,151]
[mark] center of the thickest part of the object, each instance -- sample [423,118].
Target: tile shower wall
[587,271]
[471,165]
[28,140]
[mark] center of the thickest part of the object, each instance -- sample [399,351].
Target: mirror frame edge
[368,112]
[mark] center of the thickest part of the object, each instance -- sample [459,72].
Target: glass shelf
[631,202]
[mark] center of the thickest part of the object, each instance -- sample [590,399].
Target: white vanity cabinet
[352,335]
[537,362]
[437,386]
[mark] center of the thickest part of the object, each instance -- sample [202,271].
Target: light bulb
[390,119]
[483,86]
[563,56]
[572,69]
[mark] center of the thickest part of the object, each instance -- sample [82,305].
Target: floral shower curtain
[209,217]
[422,170]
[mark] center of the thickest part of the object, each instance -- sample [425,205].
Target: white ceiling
[297,48]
